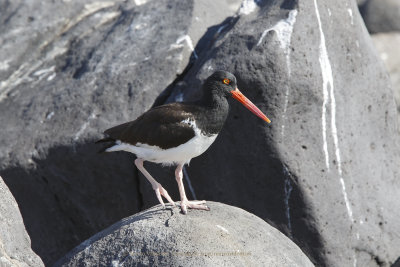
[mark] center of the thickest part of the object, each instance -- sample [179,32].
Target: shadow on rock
[71,194]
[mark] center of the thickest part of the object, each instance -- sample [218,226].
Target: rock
[325,171]
[68,71]
[360,3]
[381,15]
[387,45]
[225,236]
[397,263]
[15,245]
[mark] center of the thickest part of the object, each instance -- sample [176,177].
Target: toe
[158,194]
[198,206]
[184,208]
[197,202]
[166,195]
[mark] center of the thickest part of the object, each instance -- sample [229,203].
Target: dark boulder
[325,171]
[381,15]
[69,70]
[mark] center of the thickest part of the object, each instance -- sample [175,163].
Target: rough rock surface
[225,236]
[326,170]
[68,71]
[388,45]
[381,15]
[15,245]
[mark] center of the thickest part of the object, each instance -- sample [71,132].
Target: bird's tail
[109,140]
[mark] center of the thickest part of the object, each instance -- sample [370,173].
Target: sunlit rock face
[324,171]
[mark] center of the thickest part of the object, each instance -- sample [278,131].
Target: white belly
[177,155]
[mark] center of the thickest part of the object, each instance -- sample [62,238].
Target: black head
[222,82]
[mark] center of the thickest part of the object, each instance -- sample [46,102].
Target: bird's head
[224,83]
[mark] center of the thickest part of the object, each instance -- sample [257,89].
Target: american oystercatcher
[174,133]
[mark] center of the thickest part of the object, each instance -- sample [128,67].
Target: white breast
[176,155]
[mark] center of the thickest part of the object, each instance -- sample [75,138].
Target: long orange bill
[236,94]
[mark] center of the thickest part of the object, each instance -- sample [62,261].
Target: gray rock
[360,3]
[68,71]
[326,170]
[397,263]
[387,45]
[225,236]
[381,15]
[15,245]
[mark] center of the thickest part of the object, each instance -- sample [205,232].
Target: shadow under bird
[174,133]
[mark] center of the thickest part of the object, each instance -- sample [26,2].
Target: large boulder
[224,236]
[326,170]
[15,245]
[381,15]
[68,71]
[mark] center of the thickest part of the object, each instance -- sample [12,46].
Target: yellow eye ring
[226,81]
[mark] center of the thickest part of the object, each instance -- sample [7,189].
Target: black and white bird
[174,133]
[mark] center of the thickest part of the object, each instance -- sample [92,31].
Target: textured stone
[325,170]
[69,70]
[381,15]
[387,45]
[15,245]
[225,236]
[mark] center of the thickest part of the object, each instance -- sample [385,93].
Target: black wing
[161,126]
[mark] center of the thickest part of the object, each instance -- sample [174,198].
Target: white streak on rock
[283,29]
[327,78]
[140,2]
[186,38]
[88,10]
[107,17]
[83,127]
[44,72]
[22,74]
[247,7]
[50,115]
[16,78]
[4,65]
[140,26]
[51,77]
[222,228]
[351,15]
[221,28]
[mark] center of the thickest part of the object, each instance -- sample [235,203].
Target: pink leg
[185,203]
[160,191]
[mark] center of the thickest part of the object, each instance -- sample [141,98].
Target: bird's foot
[193,204]
[160,191]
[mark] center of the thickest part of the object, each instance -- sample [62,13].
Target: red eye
[226,81]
